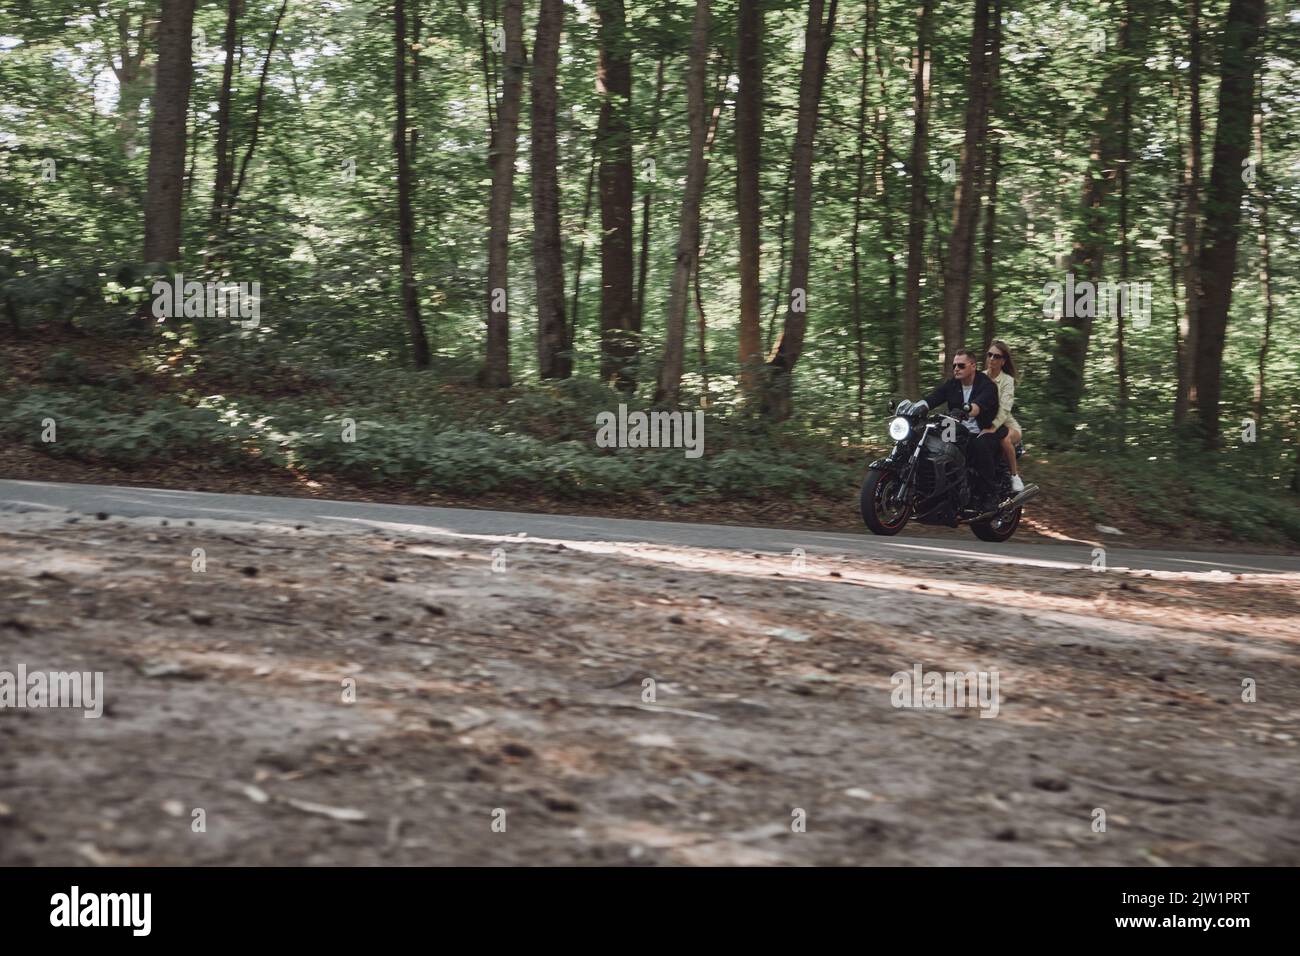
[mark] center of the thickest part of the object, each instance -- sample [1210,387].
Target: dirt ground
[503,681]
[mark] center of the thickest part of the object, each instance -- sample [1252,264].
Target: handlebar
[913,410]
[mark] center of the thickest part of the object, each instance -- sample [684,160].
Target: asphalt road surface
[957,546]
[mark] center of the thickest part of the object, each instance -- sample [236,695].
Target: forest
[419,247]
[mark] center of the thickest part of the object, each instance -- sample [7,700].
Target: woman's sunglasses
[996,355]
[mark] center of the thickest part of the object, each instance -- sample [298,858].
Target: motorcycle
[926,478]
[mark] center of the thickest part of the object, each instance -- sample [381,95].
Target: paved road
[957,547]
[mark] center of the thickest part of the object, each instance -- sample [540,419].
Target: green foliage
[125,433]
[65,367]
[315,227]
[1221,496]
[435,455]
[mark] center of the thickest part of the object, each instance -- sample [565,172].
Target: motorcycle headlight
[899,428]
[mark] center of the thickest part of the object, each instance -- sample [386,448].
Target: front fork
[905,472]
[908,471]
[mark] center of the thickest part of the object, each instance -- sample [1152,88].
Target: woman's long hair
[1008,367]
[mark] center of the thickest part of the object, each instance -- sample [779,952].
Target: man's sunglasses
[958,364]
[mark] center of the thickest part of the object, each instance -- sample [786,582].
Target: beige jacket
[1006,401]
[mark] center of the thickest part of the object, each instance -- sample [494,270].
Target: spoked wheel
[999,528]
[881,514]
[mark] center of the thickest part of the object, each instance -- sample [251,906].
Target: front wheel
[879,512]
[999,528]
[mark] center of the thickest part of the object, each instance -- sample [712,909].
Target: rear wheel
[999,528]
[881,514]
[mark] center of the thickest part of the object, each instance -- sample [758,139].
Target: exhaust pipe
[1031,491]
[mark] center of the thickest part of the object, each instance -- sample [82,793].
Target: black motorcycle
[926,478]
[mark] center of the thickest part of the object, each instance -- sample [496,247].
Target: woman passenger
[1002,370]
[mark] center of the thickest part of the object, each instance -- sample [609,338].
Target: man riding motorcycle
[969,386]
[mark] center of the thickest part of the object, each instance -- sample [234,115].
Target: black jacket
[983,393]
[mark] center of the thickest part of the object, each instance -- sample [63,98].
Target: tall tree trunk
[859,347]
[989,322]
[417,24]
[171,97]
[134,78]
[618,332]
[701,326]
[1065,372]
[505,142]
[957,270]
[882,126]
[1126,129]
[1175,211]
[192,137]
[778,389]
[719,100]
[993,169]
[917,207]
[582,250]
[643,260]
[1239,62]
[554,358]
[1190,321]
[779,289]
[405,218]
[257,113]
[489,74]
[225,163]
[749,161]
[1265,269]
[688,232]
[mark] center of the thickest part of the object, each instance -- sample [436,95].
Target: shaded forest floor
[123,405]
[524,691]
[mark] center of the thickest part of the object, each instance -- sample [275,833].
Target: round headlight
[899,428]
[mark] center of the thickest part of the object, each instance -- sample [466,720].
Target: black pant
[981,450]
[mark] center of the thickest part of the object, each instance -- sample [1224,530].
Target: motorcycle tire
[873,513]
[999,529]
